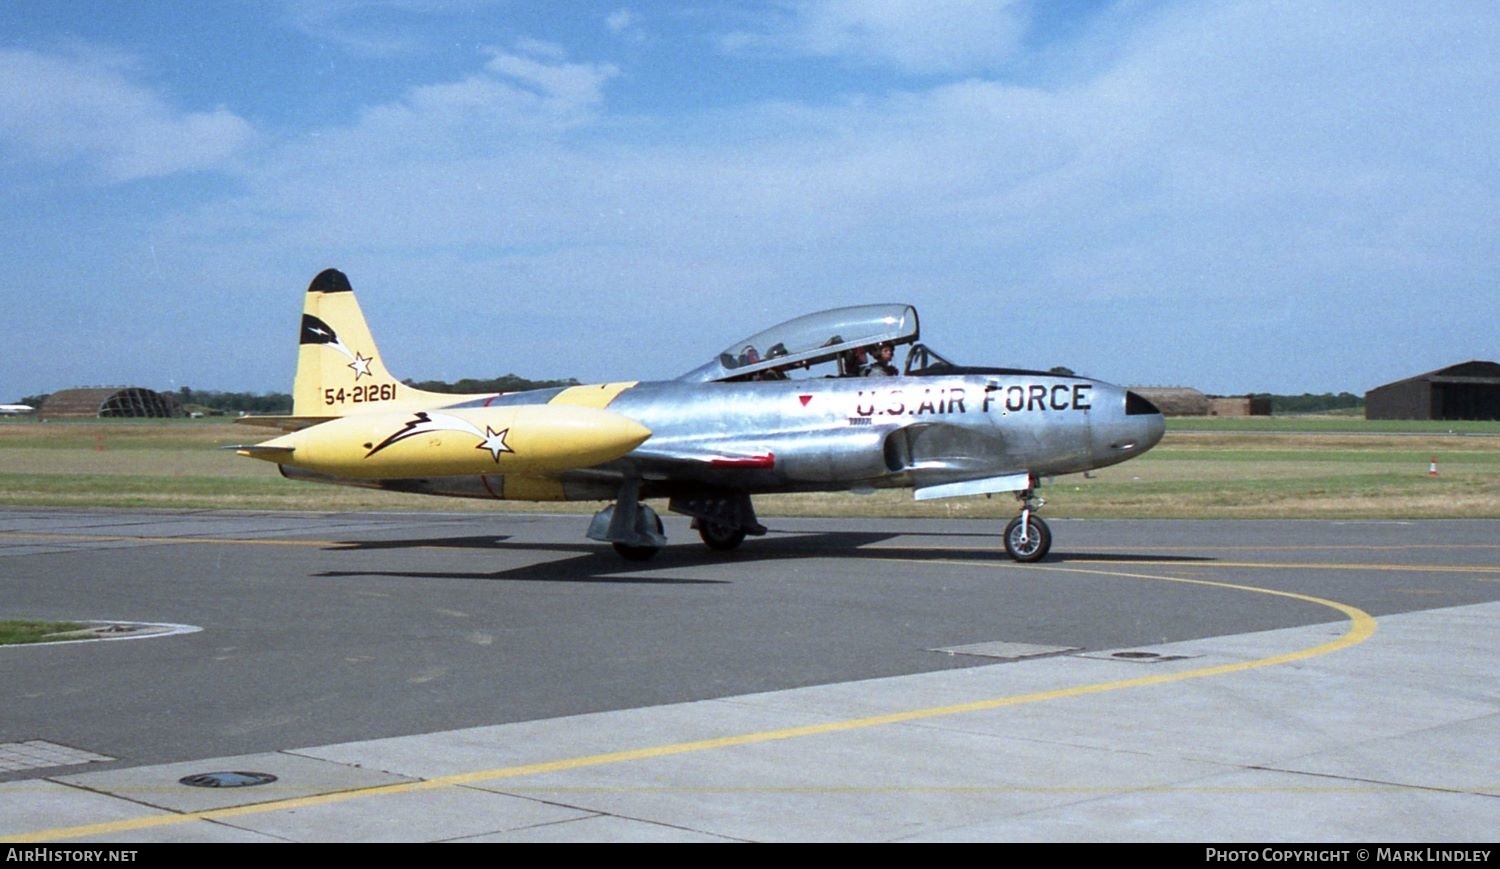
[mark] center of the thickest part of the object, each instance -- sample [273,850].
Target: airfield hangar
[1469,390]
[1186,401]
[115,402]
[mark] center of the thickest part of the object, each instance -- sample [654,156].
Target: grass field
[1264,468]
[15,632]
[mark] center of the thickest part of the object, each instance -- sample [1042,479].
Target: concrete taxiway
[494,677]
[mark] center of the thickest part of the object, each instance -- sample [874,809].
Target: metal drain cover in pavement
[1135,657]
[227,779]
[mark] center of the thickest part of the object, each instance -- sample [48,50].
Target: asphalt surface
[356,656]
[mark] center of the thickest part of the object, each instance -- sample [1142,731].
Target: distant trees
[213,402]
[234,402]
[209,401]
[504,383]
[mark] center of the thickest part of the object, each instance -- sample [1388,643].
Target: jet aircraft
[763,416]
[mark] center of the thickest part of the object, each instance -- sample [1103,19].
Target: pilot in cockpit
[853,362]
[776,352]
[882,366]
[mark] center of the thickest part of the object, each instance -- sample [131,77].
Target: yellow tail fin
[339,370]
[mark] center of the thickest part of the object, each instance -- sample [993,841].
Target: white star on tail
[361,364]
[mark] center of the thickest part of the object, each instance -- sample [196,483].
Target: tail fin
[339,371]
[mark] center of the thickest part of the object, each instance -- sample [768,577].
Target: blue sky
[1237,196]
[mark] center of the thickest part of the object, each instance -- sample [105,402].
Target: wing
[937,459]
[945,461]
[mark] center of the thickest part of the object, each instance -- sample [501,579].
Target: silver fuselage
[967,432]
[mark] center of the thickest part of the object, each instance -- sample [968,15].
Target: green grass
[1271,456]
[1327,423]
[19,631]
[1219,468]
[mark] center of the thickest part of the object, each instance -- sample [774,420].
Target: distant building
[111,402]
[1469,390]
[1239,405]
[1187,401]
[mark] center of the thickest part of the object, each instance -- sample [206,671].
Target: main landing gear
[723,519]
[635,530]
[646,518]
[1027,537]
[719,537]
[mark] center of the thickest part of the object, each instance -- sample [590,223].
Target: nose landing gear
[1027,537]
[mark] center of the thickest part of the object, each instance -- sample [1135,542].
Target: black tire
[636,553]
[1037,544]
[720,537]
[640,553]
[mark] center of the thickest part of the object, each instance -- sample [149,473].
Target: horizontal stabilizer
[260,451]
[285,423]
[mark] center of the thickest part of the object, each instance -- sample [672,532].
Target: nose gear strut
[1027,537]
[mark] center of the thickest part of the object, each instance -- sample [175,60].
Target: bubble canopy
[811,339]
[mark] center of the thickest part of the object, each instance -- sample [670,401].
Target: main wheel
[636,553]
[720,537]
[641,553]
[1036,545]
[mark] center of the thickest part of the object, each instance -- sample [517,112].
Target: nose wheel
[1027,537]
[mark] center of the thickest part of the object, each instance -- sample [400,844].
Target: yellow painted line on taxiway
[1204,562]
[1361,627]
[1309,565]
[877,547]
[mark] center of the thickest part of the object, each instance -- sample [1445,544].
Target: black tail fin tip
[330,281]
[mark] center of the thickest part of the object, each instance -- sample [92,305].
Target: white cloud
[626,25]
[934,36]
[517,100]
[566,87]
[378,29]
[1228,172]
[541,48]
[477,163]
[58,110]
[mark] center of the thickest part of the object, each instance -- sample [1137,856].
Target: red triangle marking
[805,399]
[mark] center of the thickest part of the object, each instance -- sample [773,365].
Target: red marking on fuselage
[804,399]
[484,480]
[766,461]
